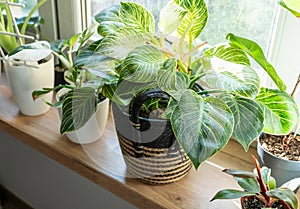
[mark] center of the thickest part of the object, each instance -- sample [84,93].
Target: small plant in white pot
[27,66]
[82,107]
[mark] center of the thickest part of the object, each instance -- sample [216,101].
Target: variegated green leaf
[119,44]
[109,20]
[229,54]
[166,24]
[202,126]
[231,194]
[286,195]
[136,16]
[170,80]
[248,118]
[255,51]
[142,64]
[281,113]
[196,18]
[249,184]
[232,77]
[78,107]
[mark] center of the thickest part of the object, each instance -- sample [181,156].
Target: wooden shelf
[102,163]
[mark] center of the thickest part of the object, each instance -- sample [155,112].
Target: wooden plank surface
[102,162]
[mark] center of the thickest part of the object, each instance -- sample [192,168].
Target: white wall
[45,184]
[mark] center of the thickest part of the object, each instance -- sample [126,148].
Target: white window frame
[284,53]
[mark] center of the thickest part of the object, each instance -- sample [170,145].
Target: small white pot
[24,79]
[95,126]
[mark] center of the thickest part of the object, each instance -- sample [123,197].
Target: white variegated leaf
[119,44]
[203,126]
[196,18]
[142,64]
[228,53]
[136,16]
[78,107]
[232,77]
[166,24]
[109,21]
[281,112]
[248,118]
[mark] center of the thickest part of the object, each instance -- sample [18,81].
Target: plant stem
[40,3]
[296,87]
[293,95]
[260,180]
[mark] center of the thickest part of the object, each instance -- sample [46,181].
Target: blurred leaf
[292,5]
[166,24]
[240,174]
[286,195]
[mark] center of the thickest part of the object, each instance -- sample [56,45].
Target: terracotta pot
[149,147]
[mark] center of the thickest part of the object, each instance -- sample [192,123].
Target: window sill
[102,162]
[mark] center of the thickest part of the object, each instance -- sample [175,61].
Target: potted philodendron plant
[82,107]
[27,66]
[164,119]
[282,153]
[259,190]
[196,123]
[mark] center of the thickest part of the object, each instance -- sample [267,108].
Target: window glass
[20,12]
[253,19]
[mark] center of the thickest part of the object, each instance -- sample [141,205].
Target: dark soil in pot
[286,147]
[253,202]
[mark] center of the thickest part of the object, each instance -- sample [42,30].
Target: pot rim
[259,146]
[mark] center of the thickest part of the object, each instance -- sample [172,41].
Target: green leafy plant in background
[80,103]
[7,42]
[260,185]
[168,55]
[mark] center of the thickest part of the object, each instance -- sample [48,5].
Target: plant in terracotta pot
[163,118]
[282,152]
[82,106]
[259,190]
